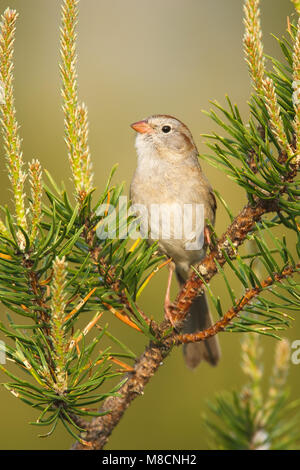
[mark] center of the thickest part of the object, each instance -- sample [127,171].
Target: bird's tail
[198,319]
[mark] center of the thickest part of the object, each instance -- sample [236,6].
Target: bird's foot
[207,238]
[168,313]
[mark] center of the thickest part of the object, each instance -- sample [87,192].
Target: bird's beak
[142,127]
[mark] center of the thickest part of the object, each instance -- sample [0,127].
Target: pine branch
[253,43]
[112,280]
[100,429]
[35,178]
[12,140]
[76,124]
[234,311]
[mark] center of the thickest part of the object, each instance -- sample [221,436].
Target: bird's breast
[172,211]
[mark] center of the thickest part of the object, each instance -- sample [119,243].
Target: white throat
[148,156]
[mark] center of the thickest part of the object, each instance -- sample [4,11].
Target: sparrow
[169,178]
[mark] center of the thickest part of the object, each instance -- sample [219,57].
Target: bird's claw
[207,236]
[168,314]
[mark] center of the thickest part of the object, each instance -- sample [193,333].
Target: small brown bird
[169,179]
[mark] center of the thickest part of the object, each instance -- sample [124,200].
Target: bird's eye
[166,129]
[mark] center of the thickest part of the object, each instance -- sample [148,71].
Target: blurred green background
[137,58]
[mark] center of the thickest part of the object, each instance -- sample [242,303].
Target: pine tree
[61,259]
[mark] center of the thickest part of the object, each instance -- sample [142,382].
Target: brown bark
[99,430]
[234,311]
